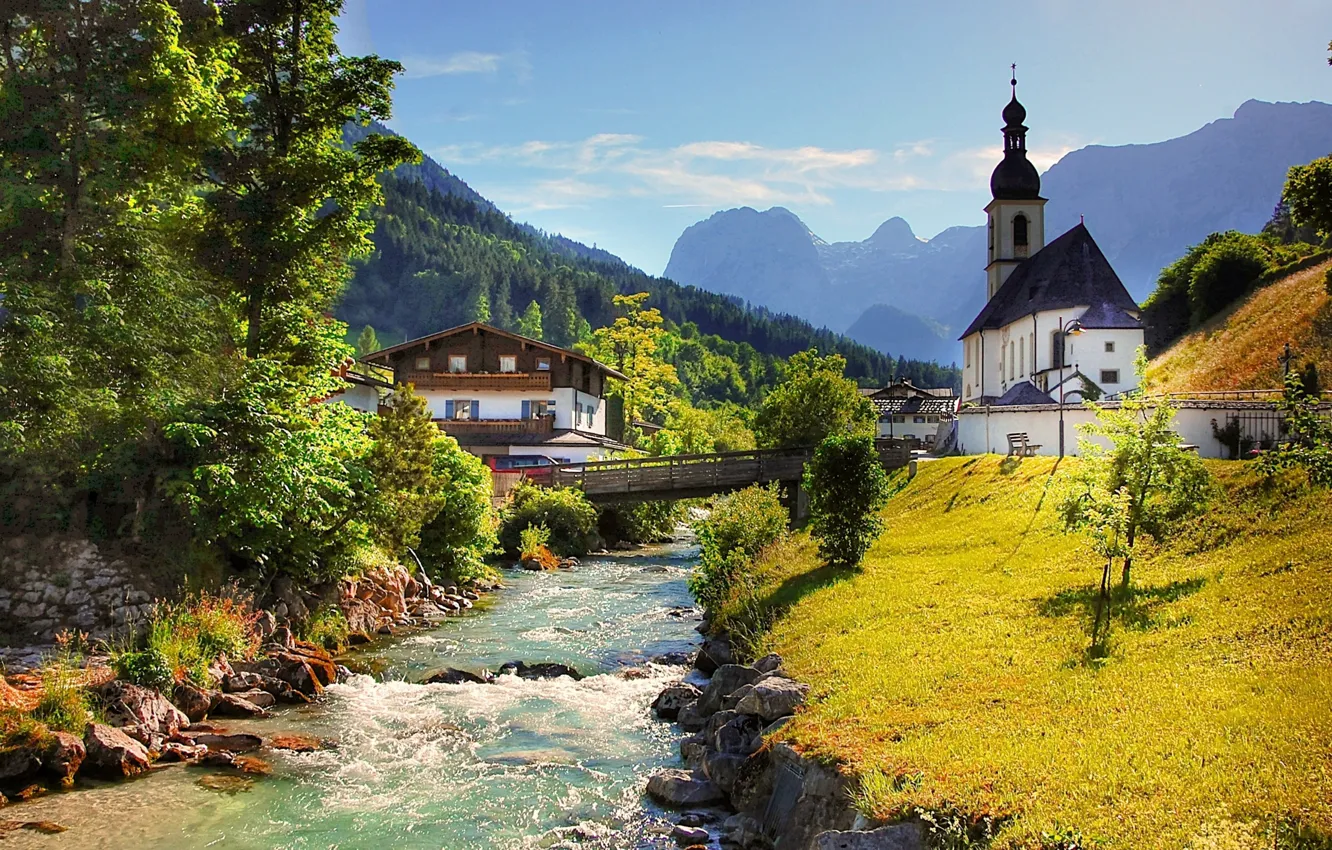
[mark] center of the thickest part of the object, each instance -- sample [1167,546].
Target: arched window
[1020,243]
[1012,361]
[1022,358]
[991,237]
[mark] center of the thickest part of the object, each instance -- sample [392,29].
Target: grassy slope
[954,662]
[1238,349]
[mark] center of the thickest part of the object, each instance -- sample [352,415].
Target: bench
[1018,445]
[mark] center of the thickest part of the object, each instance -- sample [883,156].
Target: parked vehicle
[536,468]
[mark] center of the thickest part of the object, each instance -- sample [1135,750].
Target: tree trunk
[254,314]
[1128,557]
[1102,604]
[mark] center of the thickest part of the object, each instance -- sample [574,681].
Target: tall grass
[191,634]
[65,705]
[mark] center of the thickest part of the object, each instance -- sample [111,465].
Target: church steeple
[1015,178]
[1017,213]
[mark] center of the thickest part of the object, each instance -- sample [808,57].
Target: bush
[327,627]
[1223,274]
[64,705]
[532,541]
[192,634]
[812,401]
[456,542]
[640,522]
[564,511]
[149,668]
[739,526]
[847,489]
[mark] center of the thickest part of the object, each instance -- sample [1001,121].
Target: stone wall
[50,585]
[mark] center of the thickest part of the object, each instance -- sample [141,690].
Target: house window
[1109,376]
[898,420]
[508,363]
[1109,348]
[461,410]
[423,364]
[543,364]
[457,362]
[918,420]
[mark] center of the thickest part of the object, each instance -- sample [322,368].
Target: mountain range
[1145,204]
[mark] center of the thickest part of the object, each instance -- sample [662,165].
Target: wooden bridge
[693,476]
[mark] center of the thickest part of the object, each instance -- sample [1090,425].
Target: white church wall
[1088,351]
[986,429]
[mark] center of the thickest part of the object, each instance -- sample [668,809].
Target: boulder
[221,742]
[689,836]
[770,663]
[193,702]
[723,769]
[235,705]
[20,762]
[174,751]
[693,750]
[263,699]
[727,679]
[112,753]
[239,682]
[714,653]
[675,697]
[730,700]
[63,757]
[153,718]
[454,676]
[541,670]
[672,659]
[741,735]
[690,718]
[898,836]
[296,743]
[680,788]
[742,832]
[773,698]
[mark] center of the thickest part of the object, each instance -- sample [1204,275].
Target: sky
[622,123]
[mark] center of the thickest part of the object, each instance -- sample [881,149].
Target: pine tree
[529,324]
[367,341]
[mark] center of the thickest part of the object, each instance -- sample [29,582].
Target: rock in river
[675,697]
[153,718]
[680,788]
[454,676]
[111,752]
[63,757]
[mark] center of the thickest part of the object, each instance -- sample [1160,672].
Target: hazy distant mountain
[1145,204]
[887,328]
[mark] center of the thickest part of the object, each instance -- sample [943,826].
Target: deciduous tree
[812,402]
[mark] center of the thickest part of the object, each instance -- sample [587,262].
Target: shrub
[1223,274]
[532,540]
[812,401]
[64,705]
[566,512]
[847,488]
[739,526]
[456,542]
[192,634]
[641,522]
[327,627]
[149,668]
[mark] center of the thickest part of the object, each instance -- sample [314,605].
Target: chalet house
[1057,318]
[911,412]
[499,393]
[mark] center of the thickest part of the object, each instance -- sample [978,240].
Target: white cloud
[719,172]
[466,62]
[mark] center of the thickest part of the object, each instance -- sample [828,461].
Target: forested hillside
[445,258]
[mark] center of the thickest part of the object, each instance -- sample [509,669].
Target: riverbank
[517,763]
[950,678]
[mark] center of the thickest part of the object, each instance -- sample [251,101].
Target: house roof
[897,405]
[562,437]
[1024,392]
[1105,316]
[903,388]
[1069,272]
[381,356]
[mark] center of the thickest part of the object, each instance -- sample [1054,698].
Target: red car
[537,468]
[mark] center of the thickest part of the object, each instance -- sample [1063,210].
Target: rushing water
[514,764]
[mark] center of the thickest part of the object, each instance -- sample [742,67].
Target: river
[515,764]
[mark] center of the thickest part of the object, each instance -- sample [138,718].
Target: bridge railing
[683,472]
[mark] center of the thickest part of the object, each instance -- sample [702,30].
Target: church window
[1057,350]
[991,237]
[1020,243]
[968,390]
[1109,348]
[1022,357]
[1109,376]
[1012,361]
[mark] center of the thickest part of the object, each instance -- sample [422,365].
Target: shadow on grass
[1134,607]
[750,620]
[1031,520]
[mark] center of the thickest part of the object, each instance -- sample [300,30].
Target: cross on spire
[1013,82]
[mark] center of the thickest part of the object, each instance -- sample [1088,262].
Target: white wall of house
[986,429]
[358,397]
[564,454]
[591,418]
[904,425]
[509,405]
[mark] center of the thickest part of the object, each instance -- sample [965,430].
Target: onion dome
[1015,178]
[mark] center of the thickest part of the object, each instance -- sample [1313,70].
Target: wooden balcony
[470,427]
[488,381]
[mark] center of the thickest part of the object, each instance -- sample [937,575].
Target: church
[1058,325]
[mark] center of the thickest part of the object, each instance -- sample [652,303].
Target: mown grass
[1238,349]
[951,672]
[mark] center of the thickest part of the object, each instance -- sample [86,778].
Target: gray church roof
[1024,393]
[1105,316]
[1068,272]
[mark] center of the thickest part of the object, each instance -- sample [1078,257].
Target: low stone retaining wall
[780,800]
[52,585]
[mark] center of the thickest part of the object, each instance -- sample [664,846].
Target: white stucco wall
[994,360]
[986,429]
[564,454]
[357,396]
[910,428]
[565,410]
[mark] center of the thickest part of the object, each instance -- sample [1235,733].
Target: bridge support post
[797,502]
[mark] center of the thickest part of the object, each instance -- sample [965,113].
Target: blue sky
[622,123]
